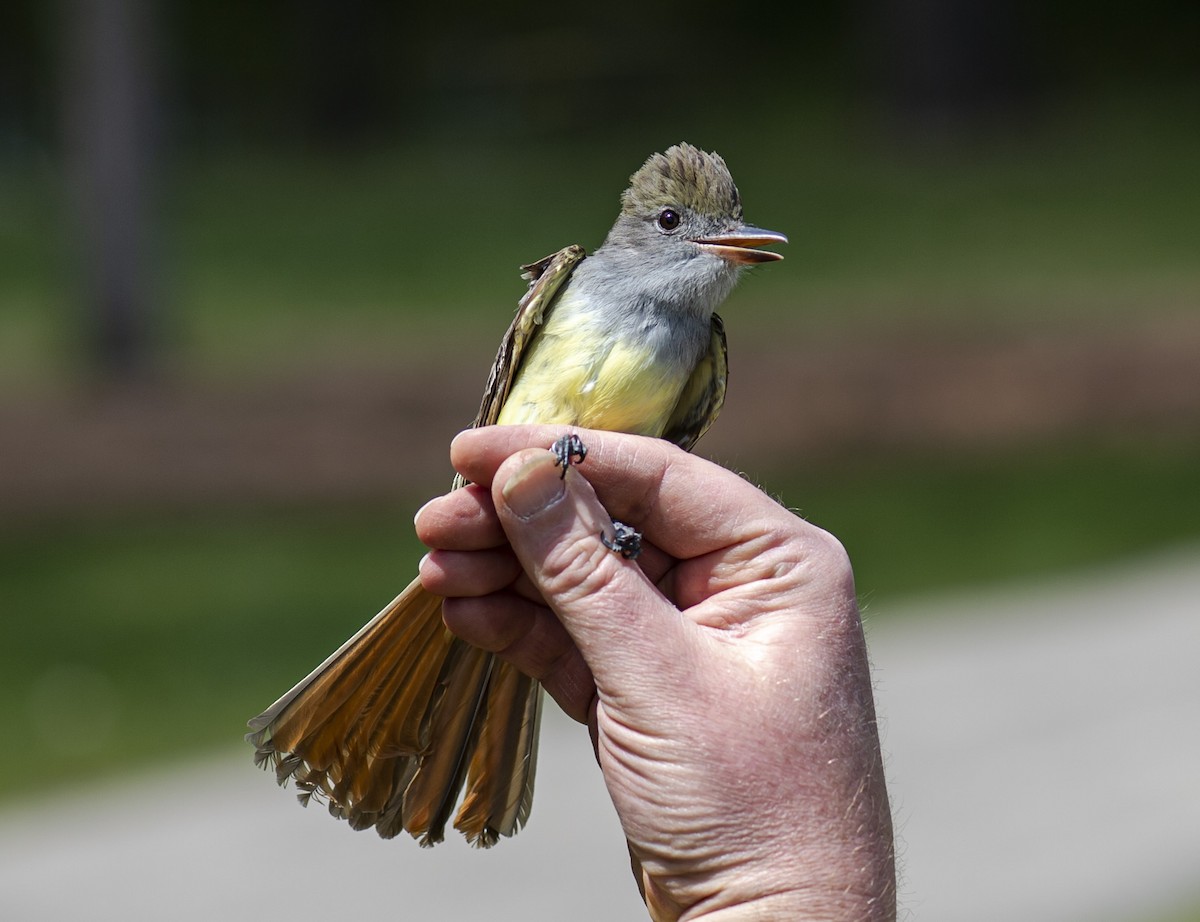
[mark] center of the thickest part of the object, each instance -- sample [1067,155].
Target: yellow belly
[570,377]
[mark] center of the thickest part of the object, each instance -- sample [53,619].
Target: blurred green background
[255,259]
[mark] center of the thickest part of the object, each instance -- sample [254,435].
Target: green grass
[134,641]
[1190,914]
[915,525]
[140,640]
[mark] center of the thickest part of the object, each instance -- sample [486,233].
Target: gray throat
[663,300]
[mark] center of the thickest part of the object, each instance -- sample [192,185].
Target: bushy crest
[683,176]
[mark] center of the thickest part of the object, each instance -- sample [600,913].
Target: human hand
[723,674]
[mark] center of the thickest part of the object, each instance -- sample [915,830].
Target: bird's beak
[738,246]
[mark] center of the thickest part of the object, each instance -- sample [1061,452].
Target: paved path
[1043,760]
[1044,749]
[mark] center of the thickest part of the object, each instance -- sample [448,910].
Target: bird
[404,722]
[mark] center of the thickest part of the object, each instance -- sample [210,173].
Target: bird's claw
[568,450]
[626,540]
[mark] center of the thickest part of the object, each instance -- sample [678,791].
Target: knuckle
[578,567]
[829,550]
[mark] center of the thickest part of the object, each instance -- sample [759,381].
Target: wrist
[852,891]
[803,907]
[853,881]
[831,857]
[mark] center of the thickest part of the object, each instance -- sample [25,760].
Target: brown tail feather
[498,797]
[455,717]
[392,724]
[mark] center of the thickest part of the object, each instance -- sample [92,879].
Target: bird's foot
[626,540]
[568,450]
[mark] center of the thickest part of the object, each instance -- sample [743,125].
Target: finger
[462,520]
[648,483]
[623,626]
[465,520]
[469,573]
[527,635]
[460,573]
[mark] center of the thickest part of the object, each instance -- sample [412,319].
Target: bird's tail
[393,724]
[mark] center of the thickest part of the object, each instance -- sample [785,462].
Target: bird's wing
[702,396]
[546,278]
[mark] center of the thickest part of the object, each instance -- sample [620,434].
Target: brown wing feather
[701,399]
[392,725]
[546,277]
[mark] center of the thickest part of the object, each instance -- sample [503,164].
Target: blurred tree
[110,89]
[319,70]
[940,68]
[25,79]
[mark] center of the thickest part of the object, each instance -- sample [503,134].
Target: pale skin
[723,673]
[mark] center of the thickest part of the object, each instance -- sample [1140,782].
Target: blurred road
[1042,753]
[1043,749]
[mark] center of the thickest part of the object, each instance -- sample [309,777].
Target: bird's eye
[668,220]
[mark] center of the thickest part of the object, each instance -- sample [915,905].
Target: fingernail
[421,568]
[423,508]
[535,487]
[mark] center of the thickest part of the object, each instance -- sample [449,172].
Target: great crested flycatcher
[393,724]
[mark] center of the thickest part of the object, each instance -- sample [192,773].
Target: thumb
[619,620]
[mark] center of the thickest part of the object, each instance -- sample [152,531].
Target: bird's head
[682,205]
